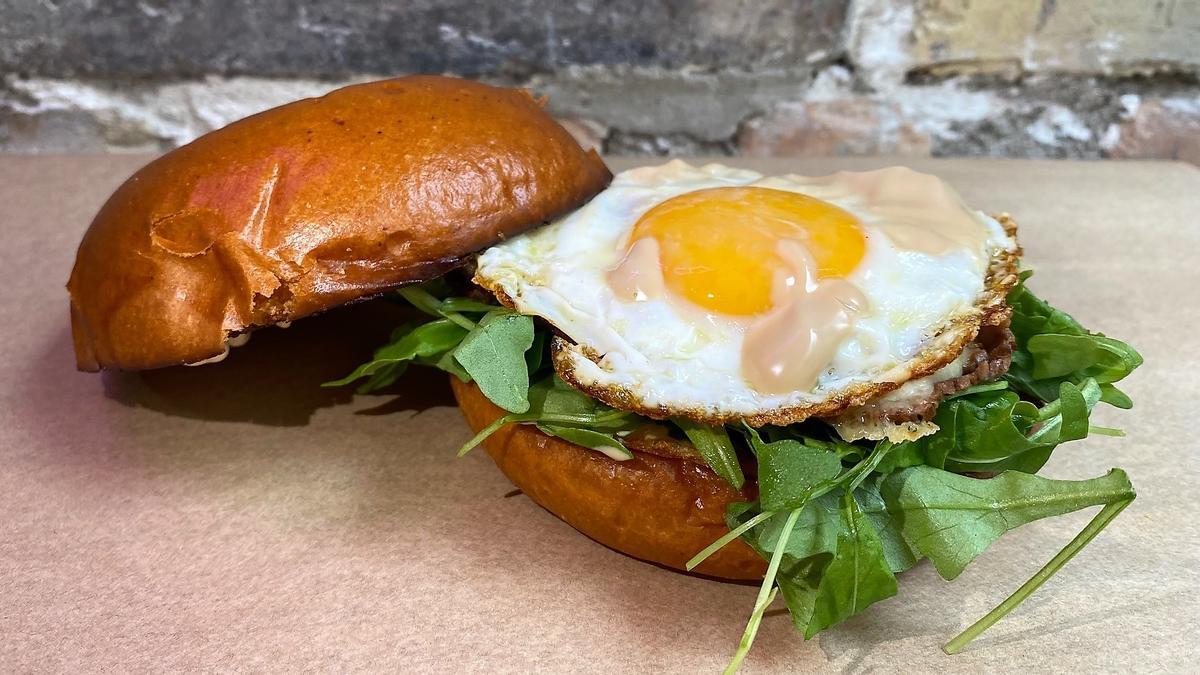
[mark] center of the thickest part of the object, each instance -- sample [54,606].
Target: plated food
[813,382]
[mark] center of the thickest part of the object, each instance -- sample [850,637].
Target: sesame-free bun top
[311,205]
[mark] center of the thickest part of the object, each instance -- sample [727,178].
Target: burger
[809,382]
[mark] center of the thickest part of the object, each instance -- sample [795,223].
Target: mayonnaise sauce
[639,276]
[786,349]
[917,211]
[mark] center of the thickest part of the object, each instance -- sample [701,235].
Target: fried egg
[720,294]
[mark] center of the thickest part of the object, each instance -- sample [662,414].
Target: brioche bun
[311,205]
[660,509]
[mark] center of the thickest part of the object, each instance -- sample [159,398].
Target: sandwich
[812,383]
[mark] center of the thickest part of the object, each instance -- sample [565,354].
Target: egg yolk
[718,247]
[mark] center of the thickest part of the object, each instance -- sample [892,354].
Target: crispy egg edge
[990,309]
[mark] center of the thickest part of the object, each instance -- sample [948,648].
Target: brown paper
[237,516]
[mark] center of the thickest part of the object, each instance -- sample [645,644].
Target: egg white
[668,361]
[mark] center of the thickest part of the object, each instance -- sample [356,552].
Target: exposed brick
[1074,36]
[853,126]
[1161,130]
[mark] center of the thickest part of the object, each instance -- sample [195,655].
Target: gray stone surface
[188,38]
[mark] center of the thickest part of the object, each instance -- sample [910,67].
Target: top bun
[312,205]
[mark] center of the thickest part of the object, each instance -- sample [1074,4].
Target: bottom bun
[659,509]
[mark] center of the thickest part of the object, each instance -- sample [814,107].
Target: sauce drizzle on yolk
[719,247]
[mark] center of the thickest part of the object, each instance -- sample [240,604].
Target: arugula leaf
[551,397]
[994,430]
[743,649]
[536,356]
[858,575]
[450,365]
[1115,397]
[714,446]
[896,550]
[904,455]
[595,440]
[765,596]
[419,296]
[494,355]
[833,562]
[465,306]
[450,308]
[1053,348]
[427,343]
[814,532]
[556,404]
[787,469]
[951,519]
[1081,540]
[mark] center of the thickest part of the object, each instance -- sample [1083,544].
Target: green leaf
[419,296]
[551,398]
[494,355]
[998,385]
[905,455]
[995,430]
[1115,397]
[900,556]
[858,575]
[830,535]
[1101,358]
[423,298]
[787,469]
[429,340]
[556,404]
[1085,537]
[748,635]
[1033,316]
[951,519]
[595,440]
[815,531]
[447,363]
[465,306]
[1065,418]
[536,356]
[798,581]
[1053,348]
[384,376]
[714,446]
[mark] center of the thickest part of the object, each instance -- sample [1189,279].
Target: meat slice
[906,414]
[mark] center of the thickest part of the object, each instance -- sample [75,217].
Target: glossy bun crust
[312,205]
[661,509]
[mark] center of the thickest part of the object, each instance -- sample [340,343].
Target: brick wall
[1021,78]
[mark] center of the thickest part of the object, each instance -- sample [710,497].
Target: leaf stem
[998,385]
[859,473]
[426,302]
[748,636]
[524,418]
[765,593]
[485,432]
[459,319]
[728,537]
[849,480]
[1097,524]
